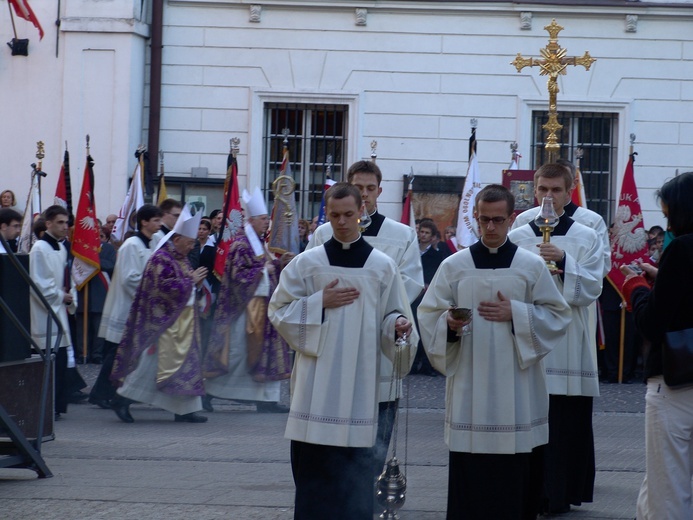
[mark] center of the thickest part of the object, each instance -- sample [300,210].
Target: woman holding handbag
[661,314]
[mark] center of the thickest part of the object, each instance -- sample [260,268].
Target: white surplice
[496,398]
[47,270]
[127,274]
[334,391]
[571,368]
[401,244]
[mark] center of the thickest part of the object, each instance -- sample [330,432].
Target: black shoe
[96,360]
[207,403]
[101,403]
[77,397]
[190,417]
[56,417]
[122,410]
[270,407]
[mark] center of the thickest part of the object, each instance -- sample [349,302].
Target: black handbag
[677,357]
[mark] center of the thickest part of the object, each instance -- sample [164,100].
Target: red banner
[86,243]
[628,235]
[23,10]
[233,218]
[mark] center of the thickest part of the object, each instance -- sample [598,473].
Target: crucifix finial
[552,63]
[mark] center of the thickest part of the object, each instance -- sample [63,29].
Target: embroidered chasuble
[245,278]
[334,381]
[496,398]
[571,368]
[163,322]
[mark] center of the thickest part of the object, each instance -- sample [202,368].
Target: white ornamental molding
[526,21]
[632,23]
[361,15]
[255,13]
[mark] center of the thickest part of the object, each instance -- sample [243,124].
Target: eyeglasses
[496,220]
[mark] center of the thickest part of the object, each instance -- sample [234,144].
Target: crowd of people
[510,322]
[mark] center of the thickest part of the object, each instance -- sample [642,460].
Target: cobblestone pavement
[236,466]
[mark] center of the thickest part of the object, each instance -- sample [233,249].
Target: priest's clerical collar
[493,258]
[51,240]
[347,245]
[144,238]
[494,250]
[376,222]
[355,256]
[571,208]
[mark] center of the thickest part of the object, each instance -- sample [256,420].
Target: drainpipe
[155,84]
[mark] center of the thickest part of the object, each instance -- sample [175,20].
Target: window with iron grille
[317,141]
[595,133]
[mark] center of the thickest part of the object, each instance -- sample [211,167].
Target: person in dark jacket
[668,306]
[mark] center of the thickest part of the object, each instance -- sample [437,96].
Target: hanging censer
[391,486]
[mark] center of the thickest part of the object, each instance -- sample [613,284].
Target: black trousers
[490,486]
[61,381]
[569,461]
[332,482]
[103,388]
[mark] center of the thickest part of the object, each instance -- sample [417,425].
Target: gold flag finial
[553,62]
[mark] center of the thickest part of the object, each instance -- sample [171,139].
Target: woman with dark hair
[668,306]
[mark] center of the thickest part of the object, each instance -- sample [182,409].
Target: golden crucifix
[554,62]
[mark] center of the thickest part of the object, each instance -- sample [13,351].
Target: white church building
[409,75]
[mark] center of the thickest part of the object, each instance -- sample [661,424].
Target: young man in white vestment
[497,405]
[339,306]
[400,243]
[571,368]
[48,270]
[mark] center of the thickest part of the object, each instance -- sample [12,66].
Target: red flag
[63,191]
[233,218]
[628,236]
[406,207]
[578,195]
[86,243]
[23,10]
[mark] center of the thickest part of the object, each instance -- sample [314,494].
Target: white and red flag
[23,10]
[85,241]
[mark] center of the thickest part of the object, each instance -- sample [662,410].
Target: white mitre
[186,225]
[255,203]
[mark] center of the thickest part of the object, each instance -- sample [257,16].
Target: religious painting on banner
[628,236]
[521,185]
[435,197]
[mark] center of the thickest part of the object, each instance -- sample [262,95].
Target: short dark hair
[554,171]
[496,193]
[52,212]
[206,223]
[342,190]
[677,194]
[429,224]
[168,204]
[39,227]
[214,214]
[655,230]
[364,167]
[8,215]
[148,212]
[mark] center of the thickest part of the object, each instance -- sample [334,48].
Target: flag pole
[85,312]
[621,343]
[14,29]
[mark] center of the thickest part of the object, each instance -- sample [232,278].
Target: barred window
[317,143]
[596,134]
